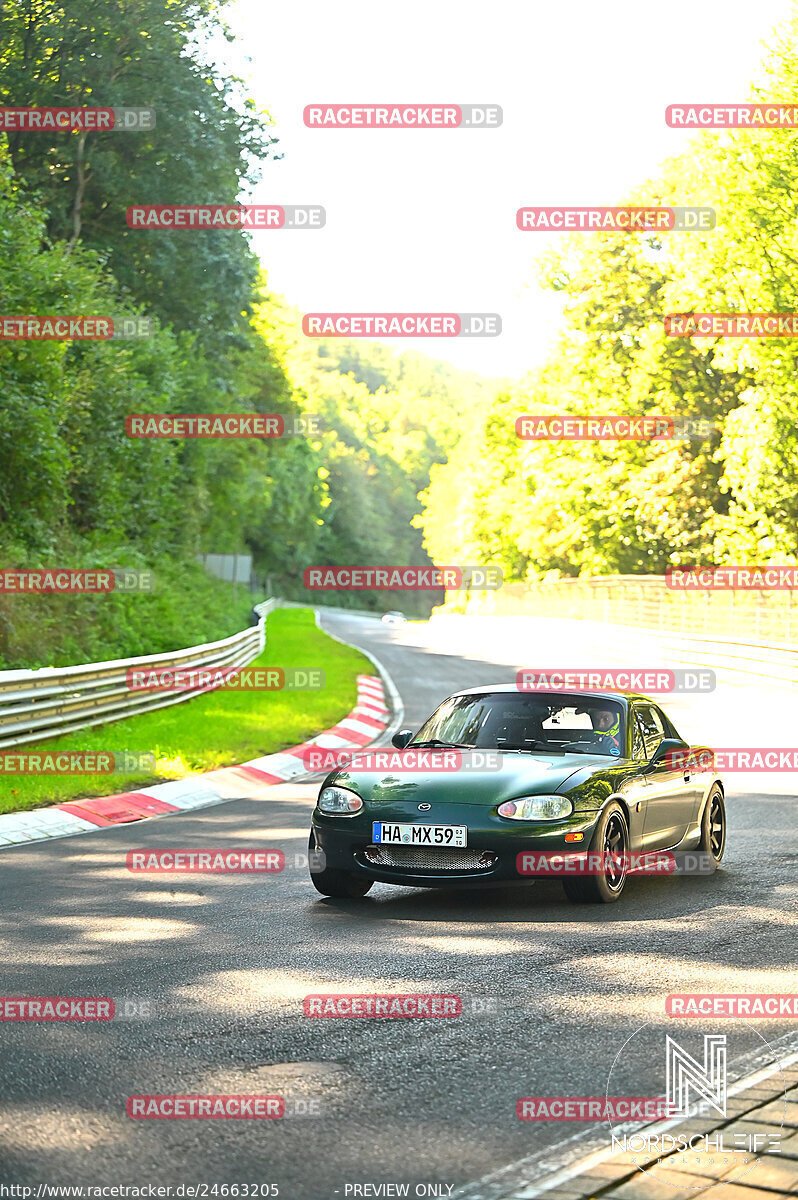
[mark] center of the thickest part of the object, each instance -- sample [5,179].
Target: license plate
[395,833]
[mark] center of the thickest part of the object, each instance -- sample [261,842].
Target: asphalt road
[215,967]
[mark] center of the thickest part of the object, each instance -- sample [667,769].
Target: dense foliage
[603,507]
[416,461]
[74,489]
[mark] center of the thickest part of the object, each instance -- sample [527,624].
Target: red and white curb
[364,724]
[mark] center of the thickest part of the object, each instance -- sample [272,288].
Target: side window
[638,740]
[652,728]
[659,721]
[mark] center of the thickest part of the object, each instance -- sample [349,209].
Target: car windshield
[542,724]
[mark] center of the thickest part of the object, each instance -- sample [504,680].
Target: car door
[638,788]
[670,797]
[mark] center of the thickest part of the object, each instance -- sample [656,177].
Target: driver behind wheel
[608,724]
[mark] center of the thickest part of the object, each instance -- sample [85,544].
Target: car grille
[429,859]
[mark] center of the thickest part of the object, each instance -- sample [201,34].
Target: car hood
[518,775]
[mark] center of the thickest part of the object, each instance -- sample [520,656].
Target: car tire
[341,885]
[713,826]
[612,834]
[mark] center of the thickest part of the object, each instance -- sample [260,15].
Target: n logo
[707,1080]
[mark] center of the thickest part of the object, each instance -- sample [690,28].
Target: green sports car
[502,786]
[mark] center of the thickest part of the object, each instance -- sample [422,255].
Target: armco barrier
[769,617]
[45,703]
[734,657]
[366,723]
[745,635]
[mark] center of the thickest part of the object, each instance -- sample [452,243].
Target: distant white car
[394,618]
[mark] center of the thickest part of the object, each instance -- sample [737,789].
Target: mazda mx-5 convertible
[501,786]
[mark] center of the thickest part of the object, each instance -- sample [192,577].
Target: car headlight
[340,801]
[536,808]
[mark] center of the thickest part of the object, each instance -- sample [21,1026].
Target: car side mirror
[401,738]
[666,747]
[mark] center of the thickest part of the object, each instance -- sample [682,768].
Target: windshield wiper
[437,743]
[533,749]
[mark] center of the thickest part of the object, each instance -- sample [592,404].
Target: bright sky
[424,221]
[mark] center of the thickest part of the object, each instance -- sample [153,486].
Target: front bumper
[490,857]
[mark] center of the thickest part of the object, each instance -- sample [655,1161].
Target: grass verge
[218,729]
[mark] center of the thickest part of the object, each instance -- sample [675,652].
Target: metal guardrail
[769,617]
[757,660]
[752,635]
[50,701]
